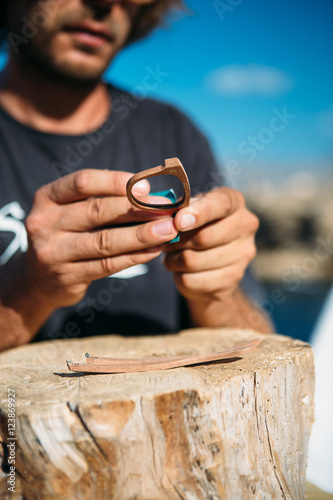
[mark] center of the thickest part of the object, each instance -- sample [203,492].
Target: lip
[90,33]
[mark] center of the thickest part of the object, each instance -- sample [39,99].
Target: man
[68,143]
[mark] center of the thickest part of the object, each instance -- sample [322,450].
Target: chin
[71,72]
[78,74]
[73,66]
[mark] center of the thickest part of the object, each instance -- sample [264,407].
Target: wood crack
[256,402]
[75,409]
[22,478]
[271,454]
[201,431]
[4,466]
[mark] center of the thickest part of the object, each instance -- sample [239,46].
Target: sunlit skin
[73,39]
[52,82]
[75,227]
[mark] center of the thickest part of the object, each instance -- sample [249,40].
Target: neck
[40,101]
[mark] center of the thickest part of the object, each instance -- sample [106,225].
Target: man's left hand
[217,244]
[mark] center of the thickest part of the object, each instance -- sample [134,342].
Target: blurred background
[257,78]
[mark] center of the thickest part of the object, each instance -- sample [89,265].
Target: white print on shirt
[131,272]
[11,216]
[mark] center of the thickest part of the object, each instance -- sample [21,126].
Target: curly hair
[150,16]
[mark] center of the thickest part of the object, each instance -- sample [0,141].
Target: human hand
[217,244]
[76,233]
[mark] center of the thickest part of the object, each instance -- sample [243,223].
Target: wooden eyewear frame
[95,364]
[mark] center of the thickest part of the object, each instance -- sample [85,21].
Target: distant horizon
[278,177]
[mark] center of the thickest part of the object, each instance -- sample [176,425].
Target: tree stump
[227,430]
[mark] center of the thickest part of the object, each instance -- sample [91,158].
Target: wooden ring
[171,166]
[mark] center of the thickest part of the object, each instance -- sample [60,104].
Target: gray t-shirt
[139,134]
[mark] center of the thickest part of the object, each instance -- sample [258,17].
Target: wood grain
[229,430]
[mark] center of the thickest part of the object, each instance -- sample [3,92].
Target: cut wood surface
[225,430]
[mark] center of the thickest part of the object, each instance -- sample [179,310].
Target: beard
[62,71]
[70,62]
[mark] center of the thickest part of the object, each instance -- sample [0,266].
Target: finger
[223,256]
[85,183]
[98,212]
[154,199]
[214,205]
[111,242]
[239,225]
[90,270]
[217,281]
[211,235]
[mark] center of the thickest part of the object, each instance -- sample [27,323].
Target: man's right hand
[77,232]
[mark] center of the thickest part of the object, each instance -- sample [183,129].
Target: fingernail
[164,228]
[141,187]
[186,222]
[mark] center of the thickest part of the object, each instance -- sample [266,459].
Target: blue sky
[233,66]
[231,63]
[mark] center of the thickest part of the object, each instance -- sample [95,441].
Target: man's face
[71,39]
